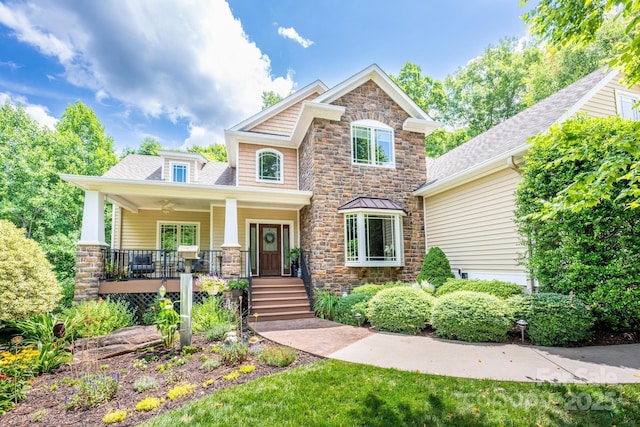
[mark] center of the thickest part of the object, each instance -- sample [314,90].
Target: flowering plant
[212,284]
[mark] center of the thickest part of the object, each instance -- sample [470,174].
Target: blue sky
[182,72]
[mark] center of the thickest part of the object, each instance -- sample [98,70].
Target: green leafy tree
[442,140]
[570,23]
[149,146]
[581,236]
[423,90]
[28,285]
[214,152]
[435,268]
[270,98]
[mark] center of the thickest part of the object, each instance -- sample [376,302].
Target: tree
[27,284]
[270,98]
[569,23]
[214,152]
[423,90]
[435,268]
[593,250]
[149,146]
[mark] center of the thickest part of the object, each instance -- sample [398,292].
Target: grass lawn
[334,393]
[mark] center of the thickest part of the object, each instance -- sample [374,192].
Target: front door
[269,250]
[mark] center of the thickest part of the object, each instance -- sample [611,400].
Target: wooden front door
[270,250]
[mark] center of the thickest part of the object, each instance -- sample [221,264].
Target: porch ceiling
[136,195]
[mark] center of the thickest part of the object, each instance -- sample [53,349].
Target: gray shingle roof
[149,168]
[513,132]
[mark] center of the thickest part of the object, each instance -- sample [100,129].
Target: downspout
[511,163]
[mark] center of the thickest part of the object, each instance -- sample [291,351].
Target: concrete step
[279,308]
[300,314]
[281,299]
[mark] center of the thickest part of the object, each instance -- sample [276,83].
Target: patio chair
[141,263]
[200,265]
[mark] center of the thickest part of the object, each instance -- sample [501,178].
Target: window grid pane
[361,145]
[380,243]
[351,232]
[384,152]
[269,167]
[188,235]
[179,173]
[169,237]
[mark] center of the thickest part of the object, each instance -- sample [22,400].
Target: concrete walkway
[611,364]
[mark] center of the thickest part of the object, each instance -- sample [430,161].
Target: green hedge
[400,309]
[497,288]
[555,319]
[471,316]
[372,288]
[435,268]
[349,305]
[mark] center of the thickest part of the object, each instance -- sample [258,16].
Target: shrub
[93,390]
[372,288]
[148,404]
[346,311]
[210,365]
[400,309]
[167,322]
[325,303]
[114,417]
[233,353]
[278,355]
[144,384]
[28,285]
[218,331]
[39,332]
[556,319]
[208,313]
[471,316]
[497,288]
[96,318]
[180,391]
[435,268]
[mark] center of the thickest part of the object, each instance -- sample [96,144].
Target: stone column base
[231,260]
[89,269]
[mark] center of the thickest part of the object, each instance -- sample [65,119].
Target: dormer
[181,167]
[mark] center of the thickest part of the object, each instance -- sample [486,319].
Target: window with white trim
[373,239]
[625,102]
[179,172]
[269,166]
[372,143]
[173,234]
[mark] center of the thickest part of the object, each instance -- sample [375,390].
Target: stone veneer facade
[89,268]
[326,170]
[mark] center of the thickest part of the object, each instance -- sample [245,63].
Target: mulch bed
[46,396]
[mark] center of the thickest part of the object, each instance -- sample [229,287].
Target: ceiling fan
[167,207]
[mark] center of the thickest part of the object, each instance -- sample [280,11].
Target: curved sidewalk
[510,362]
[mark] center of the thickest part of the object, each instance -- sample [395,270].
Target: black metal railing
[245,259]
[125,264]
[306,277]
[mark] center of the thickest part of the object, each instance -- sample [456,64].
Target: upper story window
[179,172]
[269,166]
[372,143]
[625,102]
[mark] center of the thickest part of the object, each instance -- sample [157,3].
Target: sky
[182,71]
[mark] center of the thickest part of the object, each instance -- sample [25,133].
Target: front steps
[279,298]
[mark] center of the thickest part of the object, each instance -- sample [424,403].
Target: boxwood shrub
[471,316]
[372,288]
[349,305]
[500,289]
[400,309]
[556,319]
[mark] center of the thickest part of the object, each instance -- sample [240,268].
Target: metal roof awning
[371,203]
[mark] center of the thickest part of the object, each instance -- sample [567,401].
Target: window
[373,239]
[625,103]
[372,143]
[269,164]
[172,235]
[179,172]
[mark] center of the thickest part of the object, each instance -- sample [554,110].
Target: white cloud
[188,61]
[37,112]
[291,33]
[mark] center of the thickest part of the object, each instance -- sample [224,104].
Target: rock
[119,342]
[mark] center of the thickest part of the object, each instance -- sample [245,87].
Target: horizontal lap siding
[603,103]
[139,230]
[247,167]
[283,123]
[473,224]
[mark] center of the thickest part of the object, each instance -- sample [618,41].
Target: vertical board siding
[247,167]
[139,230]
[116,227]
[473,224]
[282,123]
[603,103]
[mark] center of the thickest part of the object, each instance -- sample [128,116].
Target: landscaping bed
[48,393]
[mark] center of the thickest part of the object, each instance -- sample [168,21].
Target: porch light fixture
[522,325]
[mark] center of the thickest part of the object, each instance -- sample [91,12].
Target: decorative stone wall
[326,169]
[231,263]
[89,269]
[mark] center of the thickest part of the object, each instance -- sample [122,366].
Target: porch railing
[306,277]
[125,264]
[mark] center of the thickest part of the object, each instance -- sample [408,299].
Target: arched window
[372,143]
[269,166]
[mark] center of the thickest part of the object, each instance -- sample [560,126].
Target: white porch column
[231,224]
[93,219]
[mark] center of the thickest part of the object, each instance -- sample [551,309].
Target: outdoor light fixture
[358,317]
[162,291]
[522,325]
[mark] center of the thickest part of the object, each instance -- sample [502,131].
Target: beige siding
[139,230]
[603,103]
[261,215]
[283,123]
[166,175]
[247,167]
[116,227]
[473,224]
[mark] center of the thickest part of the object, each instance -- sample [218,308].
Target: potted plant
[115,273]
[294,256]
[212,284]
[238,287]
